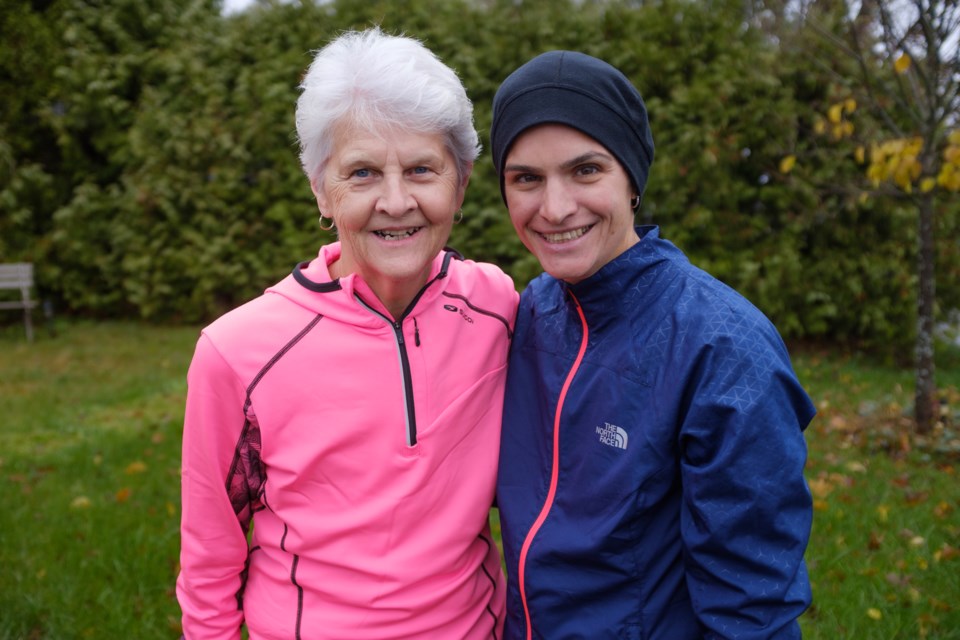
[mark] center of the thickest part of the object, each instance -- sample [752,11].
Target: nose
[395,198]
[558,202]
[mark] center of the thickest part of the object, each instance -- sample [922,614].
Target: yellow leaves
[949,176]
[787,163]
[837,123]
[135,467]
[856,466]
[902,64]
[942,510]
[842,130]
[946,553]
[835,113]
[80,502]
[883,512]
[874,614]
[896,161]
[820,487]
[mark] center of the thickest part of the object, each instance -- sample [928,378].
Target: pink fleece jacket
[363,450]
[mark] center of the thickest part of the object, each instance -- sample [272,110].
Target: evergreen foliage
[148,162]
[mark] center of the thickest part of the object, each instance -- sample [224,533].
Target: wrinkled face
[393,196]
[569,200]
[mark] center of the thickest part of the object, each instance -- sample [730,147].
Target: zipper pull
[416,333]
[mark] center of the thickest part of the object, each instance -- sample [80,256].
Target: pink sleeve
[213,546]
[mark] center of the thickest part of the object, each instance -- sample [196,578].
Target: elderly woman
[651,470]
[352,412]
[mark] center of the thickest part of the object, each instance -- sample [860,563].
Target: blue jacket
[651,466]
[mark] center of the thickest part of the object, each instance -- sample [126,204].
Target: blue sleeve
[747,510]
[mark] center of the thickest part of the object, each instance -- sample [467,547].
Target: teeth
[566,235]
[396,235]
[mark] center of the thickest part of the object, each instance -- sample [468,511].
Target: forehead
[352,143]
[554,142]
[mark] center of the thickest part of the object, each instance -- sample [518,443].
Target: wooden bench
[19,275]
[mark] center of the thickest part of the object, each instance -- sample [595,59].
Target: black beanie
[583,92]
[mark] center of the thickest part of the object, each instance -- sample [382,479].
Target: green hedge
[148,163]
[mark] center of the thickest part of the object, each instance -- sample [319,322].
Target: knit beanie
[583,92]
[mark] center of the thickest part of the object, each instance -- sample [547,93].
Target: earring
[458,216]
[635,202]
[327,227]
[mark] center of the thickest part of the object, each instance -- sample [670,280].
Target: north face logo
[612,435]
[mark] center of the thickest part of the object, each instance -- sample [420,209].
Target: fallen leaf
[915,497]
[942,510]
[874,614]
[122,495]
[136,467]
[820,487]
[946,552]
[883,512]
[897,579]
[856,467]
[80,502]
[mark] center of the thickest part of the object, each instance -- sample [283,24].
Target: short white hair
[373,81]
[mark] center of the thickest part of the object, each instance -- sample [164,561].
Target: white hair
[374,81]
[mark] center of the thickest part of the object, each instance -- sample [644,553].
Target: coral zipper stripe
[554,472]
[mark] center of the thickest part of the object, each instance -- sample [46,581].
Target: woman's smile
[392,194]
[566,236]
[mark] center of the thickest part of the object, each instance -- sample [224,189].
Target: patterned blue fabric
[681,510]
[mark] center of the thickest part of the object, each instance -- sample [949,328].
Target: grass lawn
[89,490]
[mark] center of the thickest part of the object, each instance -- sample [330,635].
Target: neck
[394,295]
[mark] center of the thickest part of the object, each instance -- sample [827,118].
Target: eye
[361,173]
[587,169]
[524,178]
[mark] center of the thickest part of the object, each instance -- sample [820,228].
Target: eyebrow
[569,164]
[365,157]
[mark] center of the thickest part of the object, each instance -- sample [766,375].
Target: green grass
[89,479]
[89,490]
[883,557]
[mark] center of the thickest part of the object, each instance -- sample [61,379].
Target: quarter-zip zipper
[409,411]
[554,470]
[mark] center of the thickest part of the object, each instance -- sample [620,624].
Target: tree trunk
[925,401]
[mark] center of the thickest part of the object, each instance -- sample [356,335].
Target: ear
[319,194]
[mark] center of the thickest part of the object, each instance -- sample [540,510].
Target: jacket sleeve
[747,510]
[213,547]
